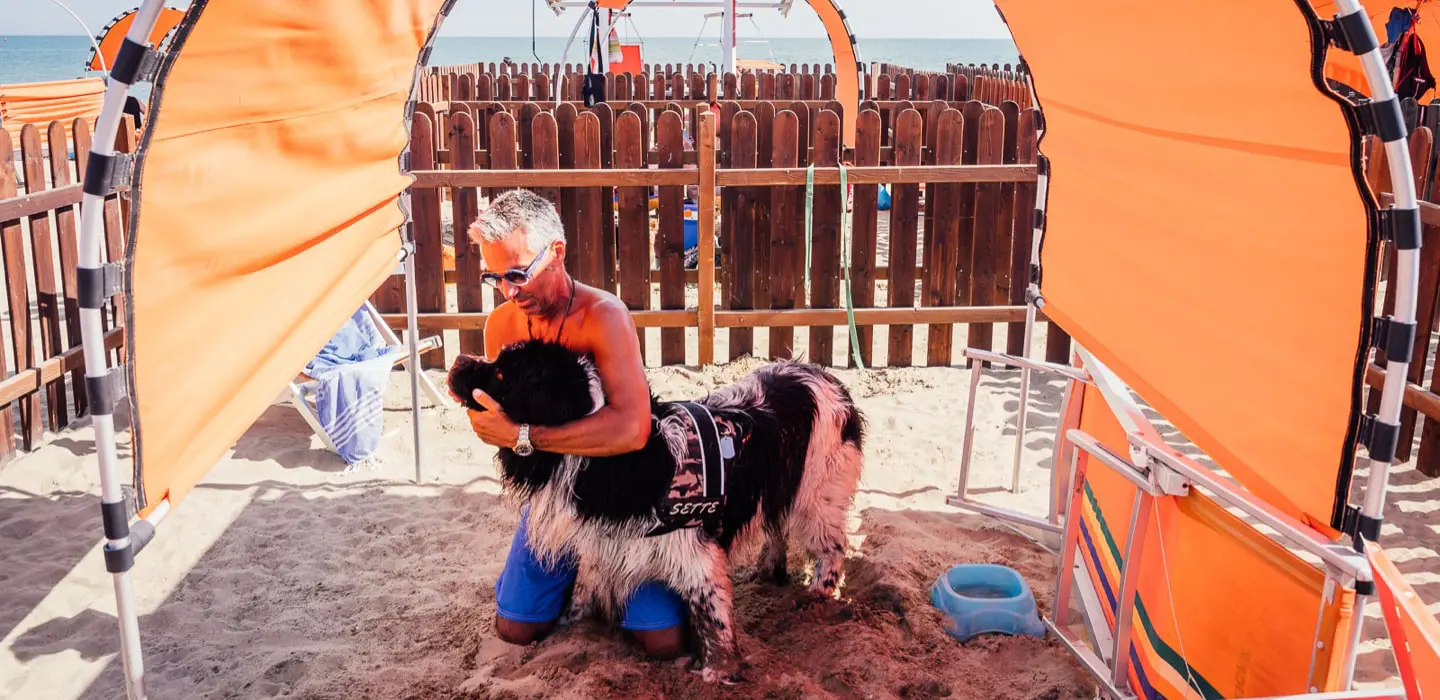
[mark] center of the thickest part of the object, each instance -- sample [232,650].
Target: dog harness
[697,493]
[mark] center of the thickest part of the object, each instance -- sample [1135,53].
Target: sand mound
[883,639]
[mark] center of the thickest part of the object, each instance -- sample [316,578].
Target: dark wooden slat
[464,203]
[990,149]
[587,255]
[634,233]
[66,224]
[606,116]
[550,154]
[18,284]
[774,319]
[705,144]
[743,153]
[525,119]
[9,231]
[1005,224]
[785,221]
[865,228]
[904,220]
[765,153]
[825,238]
[1023,217]
[503,135]
[728,111]
[972,112]
[429,257]
[670,242]
[47,287]
[932,126]
[565,117]
[643,114]
[942,241]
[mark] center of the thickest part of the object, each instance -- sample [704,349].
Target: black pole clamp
[94,285]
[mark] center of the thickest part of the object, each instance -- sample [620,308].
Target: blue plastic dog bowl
[985,598]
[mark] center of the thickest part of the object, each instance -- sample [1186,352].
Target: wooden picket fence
[540,82]
[1422,394]
[42,384]
[962,258]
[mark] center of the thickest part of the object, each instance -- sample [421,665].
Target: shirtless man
[522,243]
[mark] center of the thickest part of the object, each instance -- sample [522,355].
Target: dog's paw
[724,674]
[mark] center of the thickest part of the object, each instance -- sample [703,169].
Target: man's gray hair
[519,209]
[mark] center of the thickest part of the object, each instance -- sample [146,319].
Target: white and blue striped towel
[352,371]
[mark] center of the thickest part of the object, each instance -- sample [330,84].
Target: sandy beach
[281,576]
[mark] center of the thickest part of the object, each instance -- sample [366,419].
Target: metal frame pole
[1380,452]
[100,179]
[727,37]
[412,335]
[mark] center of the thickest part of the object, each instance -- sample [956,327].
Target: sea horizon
[26,58]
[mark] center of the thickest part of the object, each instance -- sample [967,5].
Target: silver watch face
[523,449]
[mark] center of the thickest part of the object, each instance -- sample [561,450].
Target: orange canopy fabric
[1204,236]
[1414,632]
[42,103]
[114,34]
[632,63]
[270,178]
[1198,561]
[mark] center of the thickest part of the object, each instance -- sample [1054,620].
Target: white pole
[727,37]
[565,55]
[1042,189]
[412,334]
[91,239]
[1407,269]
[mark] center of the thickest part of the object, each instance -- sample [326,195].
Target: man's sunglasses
[516,277]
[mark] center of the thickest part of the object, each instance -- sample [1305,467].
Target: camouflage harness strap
[697,494]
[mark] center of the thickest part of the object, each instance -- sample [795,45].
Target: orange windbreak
[56,100]
[110,39]
[1204,234]
[1414,632]
[847,69]
[269,212]
[1199,564]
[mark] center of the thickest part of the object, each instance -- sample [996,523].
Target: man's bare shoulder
[605,309]
[502,326]
[603,319]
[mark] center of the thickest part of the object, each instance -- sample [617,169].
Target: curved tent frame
[205,274]
[843,46]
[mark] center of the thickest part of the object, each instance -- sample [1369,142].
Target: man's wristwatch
[522,443]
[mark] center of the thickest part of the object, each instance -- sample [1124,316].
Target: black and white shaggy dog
[797,462]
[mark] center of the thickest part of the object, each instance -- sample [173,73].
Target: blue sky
[937,19]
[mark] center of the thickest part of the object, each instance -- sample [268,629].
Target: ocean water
[26,59]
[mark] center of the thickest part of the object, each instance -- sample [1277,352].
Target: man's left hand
[491,425]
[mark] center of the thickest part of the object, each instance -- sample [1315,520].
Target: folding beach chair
[302,388]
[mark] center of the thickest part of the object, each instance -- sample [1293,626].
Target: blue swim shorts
[529,592]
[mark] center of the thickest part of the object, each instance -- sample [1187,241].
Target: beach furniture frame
[300,392]
[1158,471]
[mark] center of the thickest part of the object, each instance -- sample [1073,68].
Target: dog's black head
[538,382]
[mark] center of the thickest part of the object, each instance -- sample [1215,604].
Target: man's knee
[520,633]
[665,644]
